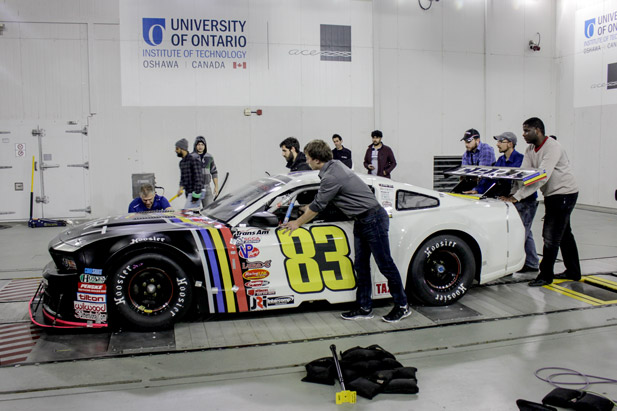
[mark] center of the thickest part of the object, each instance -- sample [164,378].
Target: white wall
[587,132]
[461,64]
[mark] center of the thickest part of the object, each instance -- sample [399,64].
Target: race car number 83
[316,259]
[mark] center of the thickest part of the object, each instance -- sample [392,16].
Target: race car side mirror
[263,219]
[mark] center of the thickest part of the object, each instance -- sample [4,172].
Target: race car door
[315,262]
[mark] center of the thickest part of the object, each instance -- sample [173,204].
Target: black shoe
[528,269]
[539,282]
[566,276]
[358,314]
[397,314]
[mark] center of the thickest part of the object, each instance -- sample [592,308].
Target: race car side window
[408,200]
[304,197]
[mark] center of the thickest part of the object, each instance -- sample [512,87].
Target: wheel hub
[443,270]
[151,290]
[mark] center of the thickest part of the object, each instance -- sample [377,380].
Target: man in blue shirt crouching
[148,200]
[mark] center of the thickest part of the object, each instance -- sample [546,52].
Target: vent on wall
[442,182]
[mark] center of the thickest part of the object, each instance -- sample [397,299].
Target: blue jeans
[191,202]
[527,211]
[371,236]
[558,235]
[206,196]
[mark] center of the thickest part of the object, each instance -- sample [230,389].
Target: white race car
[151,269]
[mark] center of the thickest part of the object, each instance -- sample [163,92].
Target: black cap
[469,134]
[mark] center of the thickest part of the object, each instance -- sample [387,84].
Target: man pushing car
[352,196]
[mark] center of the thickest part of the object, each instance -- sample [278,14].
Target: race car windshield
[228,206]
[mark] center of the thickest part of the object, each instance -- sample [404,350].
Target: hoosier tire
[150,291]
[442,271]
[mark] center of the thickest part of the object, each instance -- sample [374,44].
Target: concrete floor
[483,365]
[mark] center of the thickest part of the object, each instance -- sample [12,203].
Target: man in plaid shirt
[477,153]
[191,176]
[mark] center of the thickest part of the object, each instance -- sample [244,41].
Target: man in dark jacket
[191,175]
[379,159]
[208,166]
[339,152]
[296,161]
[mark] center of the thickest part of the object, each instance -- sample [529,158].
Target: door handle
[85,165]
[45,166]
[87,210]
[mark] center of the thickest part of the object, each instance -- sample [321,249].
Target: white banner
[595,61]
[241,53]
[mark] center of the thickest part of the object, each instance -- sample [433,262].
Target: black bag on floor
[320,371]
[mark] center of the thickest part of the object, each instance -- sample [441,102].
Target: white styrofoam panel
[564,27]
[419,29]
[463,99]
[11,80]
[463,26]
[54,78]
[585,156]
[419,127]
[564,100]
[505,28]
[385,23]
[607,174]
[539,91]
[386,104]
[538,19]
[505,97]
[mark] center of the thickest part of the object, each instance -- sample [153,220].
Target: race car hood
[144,223]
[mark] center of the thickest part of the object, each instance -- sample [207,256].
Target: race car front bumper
[53,304]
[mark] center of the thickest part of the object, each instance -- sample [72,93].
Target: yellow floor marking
[577,295]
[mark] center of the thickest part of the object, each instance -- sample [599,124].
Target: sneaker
[397,314]
[528,269]
[358,314]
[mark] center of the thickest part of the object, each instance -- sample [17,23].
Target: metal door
[61,173]
[63,167]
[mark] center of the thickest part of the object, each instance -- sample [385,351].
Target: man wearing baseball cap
[477,153]
[526,207]
[191,175]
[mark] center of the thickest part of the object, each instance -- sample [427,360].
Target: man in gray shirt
[560,194]
[353,197]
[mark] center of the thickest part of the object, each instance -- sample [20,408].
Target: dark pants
[558,235]
[371,236]
[527,211]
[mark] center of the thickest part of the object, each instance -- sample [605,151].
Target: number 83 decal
[317,258]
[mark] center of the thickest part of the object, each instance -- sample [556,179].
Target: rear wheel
[151,291]
[442,271]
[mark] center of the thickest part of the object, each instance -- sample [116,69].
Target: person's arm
[367,160]
[547,163]
[390,162]
[216,185]
[293,225]
[487,156]
[165,203]
[198,176]
[213,170]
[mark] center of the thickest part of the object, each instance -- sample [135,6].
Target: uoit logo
[153,31]
[589,27]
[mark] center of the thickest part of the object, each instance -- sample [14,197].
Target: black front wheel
[151,291]
[442,271]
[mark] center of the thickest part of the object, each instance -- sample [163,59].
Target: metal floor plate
[503,299]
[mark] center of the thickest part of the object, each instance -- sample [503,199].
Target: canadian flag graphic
[240,65]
